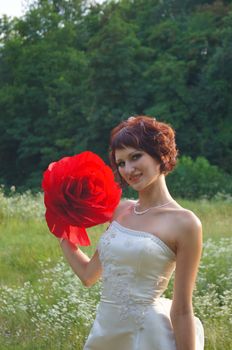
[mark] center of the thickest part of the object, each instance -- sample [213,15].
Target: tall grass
[44,306]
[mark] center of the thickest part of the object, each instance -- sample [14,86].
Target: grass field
[44,306]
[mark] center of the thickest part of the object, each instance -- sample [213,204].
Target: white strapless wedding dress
[132,315]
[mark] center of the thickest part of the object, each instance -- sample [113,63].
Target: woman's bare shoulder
[188,219]
[123,205]
[187,224]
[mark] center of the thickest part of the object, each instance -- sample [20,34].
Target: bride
[146,241]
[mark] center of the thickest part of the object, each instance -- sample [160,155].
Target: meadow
[44,306]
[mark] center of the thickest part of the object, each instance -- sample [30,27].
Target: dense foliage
[70,70]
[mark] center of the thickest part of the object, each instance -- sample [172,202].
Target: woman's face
[137,167]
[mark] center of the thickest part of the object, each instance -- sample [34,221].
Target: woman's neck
[155,194]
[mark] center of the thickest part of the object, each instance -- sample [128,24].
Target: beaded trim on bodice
[145,234]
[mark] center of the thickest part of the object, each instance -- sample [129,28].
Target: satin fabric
[132,314]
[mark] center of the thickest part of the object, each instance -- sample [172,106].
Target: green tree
[41,96]
[71,70]
[115,80]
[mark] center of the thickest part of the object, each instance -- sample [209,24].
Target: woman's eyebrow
[128,155]
[131,154]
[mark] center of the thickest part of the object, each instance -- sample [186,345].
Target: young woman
[146,241]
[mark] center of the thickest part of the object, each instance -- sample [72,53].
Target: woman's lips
[135,178]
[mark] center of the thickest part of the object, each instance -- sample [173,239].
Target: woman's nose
[129,168]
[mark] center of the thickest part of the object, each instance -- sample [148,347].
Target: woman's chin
[137,186]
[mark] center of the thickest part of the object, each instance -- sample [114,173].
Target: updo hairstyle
[146,134]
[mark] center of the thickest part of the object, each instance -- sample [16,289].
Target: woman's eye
[120,164]
[136,156]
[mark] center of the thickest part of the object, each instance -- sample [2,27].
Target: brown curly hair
[147,134]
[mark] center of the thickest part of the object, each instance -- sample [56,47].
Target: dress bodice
[132,315]
[136,265]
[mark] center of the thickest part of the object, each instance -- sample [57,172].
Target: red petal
[79,192]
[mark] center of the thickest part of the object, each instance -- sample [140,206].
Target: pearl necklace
[146,210]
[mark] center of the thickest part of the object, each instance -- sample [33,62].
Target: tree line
[71,70]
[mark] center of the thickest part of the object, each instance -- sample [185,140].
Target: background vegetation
[71,70]
[43,306]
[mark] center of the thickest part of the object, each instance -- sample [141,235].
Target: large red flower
[79,192]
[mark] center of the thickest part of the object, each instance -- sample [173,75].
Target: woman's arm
[189,246]
[88,270]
